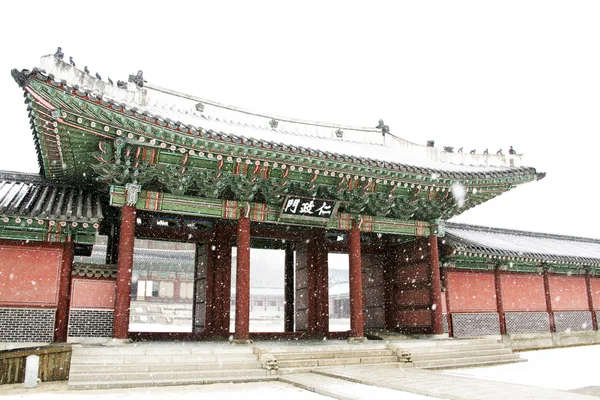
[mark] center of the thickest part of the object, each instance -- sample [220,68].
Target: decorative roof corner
[21,77]
[540,175]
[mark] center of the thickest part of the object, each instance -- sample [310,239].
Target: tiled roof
[361,145]
[521,244]
[94,270]
[30,196]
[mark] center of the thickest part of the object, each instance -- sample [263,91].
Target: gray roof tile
[30,196]
[522,244]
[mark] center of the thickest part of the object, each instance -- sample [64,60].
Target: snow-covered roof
[28,196]
[514,243]
[194,113]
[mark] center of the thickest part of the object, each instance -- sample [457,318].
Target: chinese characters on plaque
[308,207]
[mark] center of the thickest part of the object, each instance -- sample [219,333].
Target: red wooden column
[356,306]
[124,271]
[223,284]
[218,285]
[312,285]
[321,266]
[242,293]
[288,311]
[590,295]
[61,324]
[549,301]
[437,323]
[499,303]
[389,287]
[448,314]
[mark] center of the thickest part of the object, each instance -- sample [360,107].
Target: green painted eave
[215,208]
[16,228]
[518,264]
[93,140]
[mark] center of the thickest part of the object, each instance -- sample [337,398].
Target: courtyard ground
[572,369]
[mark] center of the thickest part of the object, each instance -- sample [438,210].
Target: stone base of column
[357,339]
[240,341]
[117,342]
[433,336]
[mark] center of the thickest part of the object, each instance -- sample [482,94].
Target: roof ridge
[259,114]
[481,228]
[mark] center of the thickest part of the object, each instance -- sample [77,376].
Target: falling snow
[459,192]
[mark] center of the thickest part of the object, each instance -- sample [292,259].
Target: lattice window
[445,322]
[573,321]
[475,324]
[524,322]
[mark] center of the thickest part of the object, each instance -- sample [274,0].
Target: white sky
[463,73]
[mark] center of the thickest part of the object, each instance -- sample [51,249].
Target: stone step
[163,359]
[443,355]
[294,370]
[476,364]
[448,363]
[452,348]
[450,342]
[89,368]
[333,354]
[123,376]
[101,384]
[328,362]
[300,370]
[130,350]
[324,348]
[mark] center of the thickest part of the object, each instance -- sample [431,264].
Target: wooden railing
[55,362]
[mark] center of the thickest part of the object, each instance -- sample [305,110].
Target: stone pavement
[426,383]
[342,389]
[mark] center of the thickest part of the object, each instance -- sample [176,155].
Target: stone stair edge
[167,375]
[466,361]
[157,350]
[445,343]
[474,365]
[91,368]
[91,385]
[332,354]
[449,349]
[445,355]
[322,348]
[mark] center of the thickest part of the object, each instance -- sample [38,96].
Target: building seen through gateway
[161,215]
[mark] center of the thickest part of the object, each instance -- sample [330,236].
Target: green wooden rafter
[117,146]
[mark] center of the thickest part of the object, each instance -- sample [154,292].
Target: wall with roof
[471,292]
[568,293]
[595,286]
[474,308]
[471,303]
[92,307]
[30,276]
[523,292]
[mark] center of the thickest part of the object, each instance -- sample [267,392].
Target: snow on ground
[218,391]
[564,369]
[221,391]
